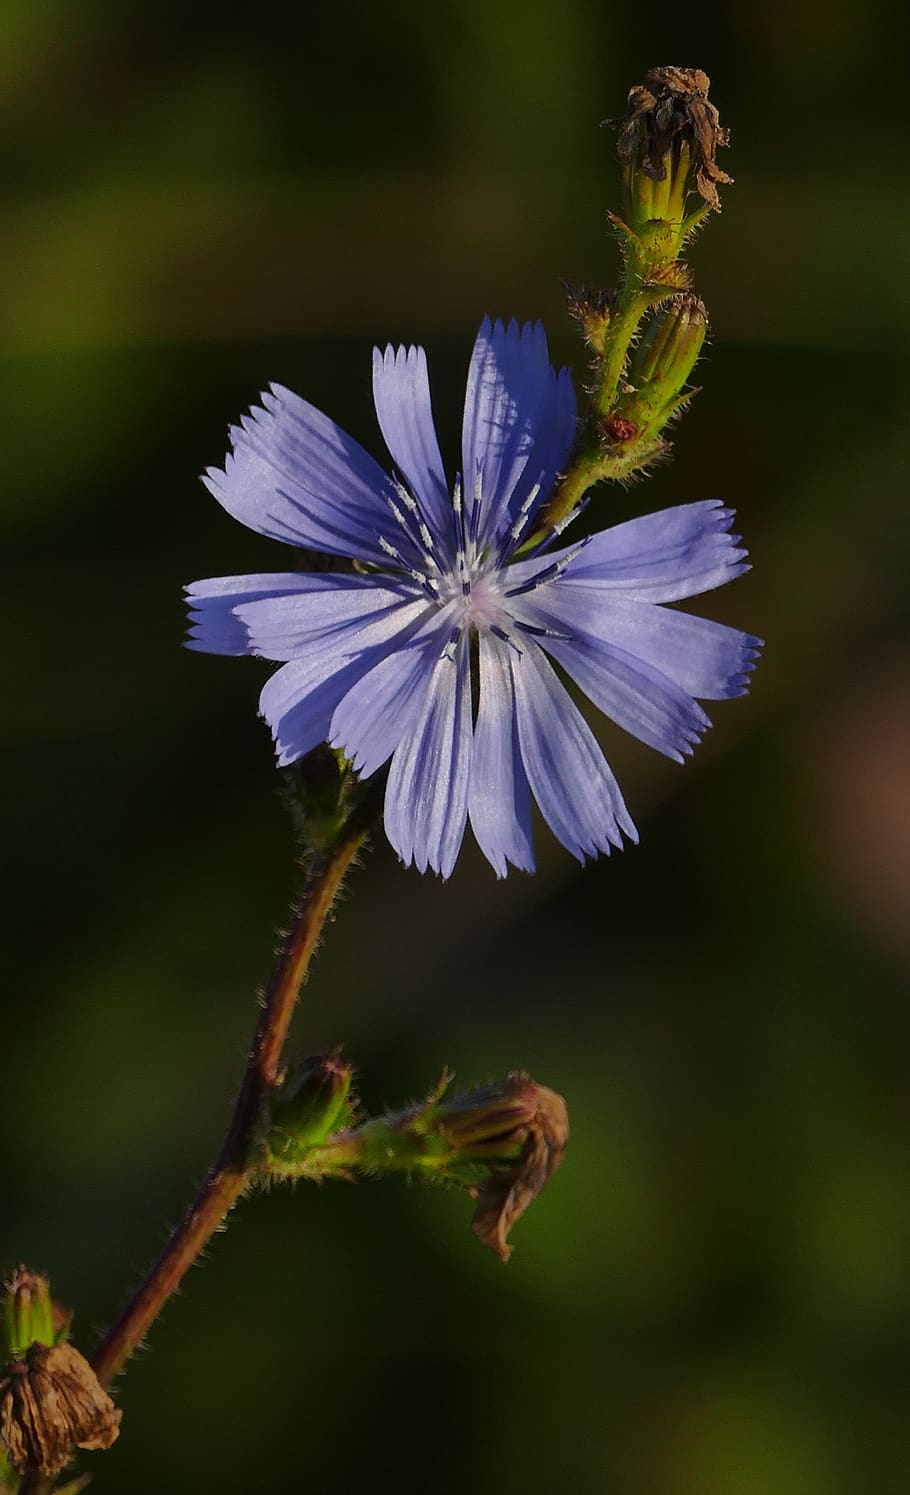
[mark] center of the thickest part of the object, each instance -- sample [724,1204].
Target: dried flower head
[670,110]
[506,1193]
[51,1403]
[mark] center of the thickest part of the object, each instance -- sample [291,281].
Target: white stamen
[407,498]
[524,512]
[399,517]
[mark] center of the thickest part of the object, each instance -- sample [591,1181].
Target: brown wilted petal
[506,1193]
[51,1403]
[673,102]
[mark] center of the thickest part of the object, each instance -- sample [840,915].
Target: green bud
[28,1313]
[313,1102]
[319,790]
[661,363]
[594,310]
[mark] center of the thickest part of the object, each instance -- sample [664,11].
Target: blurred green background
[713,1295]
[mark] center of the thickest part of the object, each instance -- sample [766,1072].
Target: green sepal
[28,1313]
[320,791]
[654,386]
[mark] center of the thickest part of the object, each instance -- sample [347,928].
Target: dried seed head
[671,130]
[51,1403]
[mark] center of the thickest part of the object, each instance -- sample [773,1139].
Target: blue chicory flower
[379,661]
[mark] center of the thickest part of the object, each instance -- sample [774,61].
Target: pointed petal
[426,803]
[401,394]
[662,557]
[567,772]
[519,422]
[499,803]
[298,477]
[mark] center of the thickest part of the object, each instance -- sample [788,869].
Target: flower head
[670,134]
[436,652]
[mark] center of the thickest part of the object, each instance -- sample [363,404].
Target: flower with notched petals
[436,655]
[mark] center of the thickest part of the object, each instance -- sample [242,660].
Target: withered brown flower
[51,1403]
[506,1193]
[670,106]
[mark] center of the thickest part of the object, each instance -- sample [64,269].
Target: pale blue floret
[381,663]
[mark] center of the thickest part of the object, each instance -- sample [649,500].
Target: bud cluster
[646,337]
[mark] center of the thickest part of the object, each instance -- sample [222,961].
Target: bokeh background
[713,1295]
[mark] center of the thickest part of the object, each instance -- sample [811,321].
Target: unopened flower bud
[51,1403]
[660,365]
[593,309]
[28,1313]
[667,145]
[319,791]
[314,1101]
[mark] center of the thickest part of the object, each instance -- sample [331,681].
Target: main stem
[231,1171]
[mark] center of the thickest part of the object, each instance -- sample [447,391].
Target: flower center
[478,600]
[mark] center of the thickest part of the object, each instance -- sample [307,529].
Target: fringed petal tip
[213,479]
[740,681]
[213,627]
[615,840]
[285,753]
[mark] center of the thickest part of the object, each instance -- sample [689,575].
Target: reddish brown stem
[231,1171]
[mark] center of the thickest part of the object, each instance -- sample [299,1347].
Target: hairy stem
[596,458]
[636,301]
[594,464]
[233,1168]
